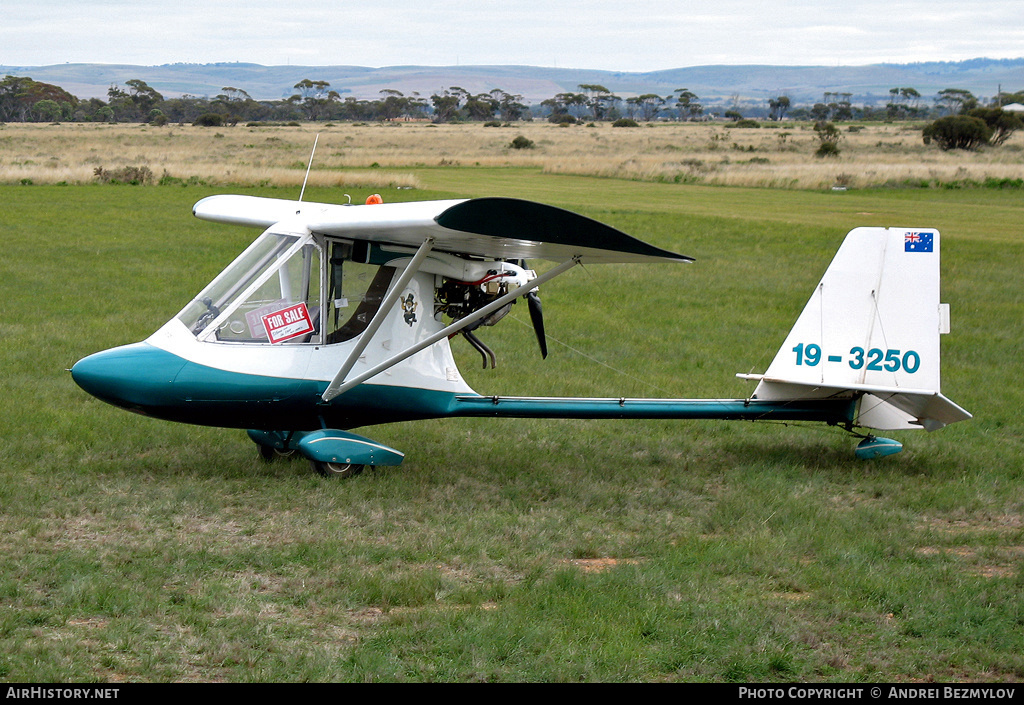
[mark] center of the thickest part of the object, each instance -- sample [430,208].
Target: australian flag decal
[918,242]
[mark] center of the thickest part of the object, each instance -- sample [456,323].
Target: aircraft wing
[502,228]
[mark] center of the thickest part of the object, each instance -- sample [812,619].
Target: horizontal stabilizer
[880,407]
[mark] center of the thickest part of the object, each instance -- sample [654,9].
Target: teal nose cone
[137,376]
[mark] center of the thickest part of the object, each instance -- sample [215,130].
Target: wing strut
[378,318]
[333,391]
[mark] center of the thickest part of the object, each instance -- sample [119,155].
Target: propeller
[537,318]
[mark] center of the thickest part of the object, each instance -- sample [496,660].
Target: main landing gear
[269,453]
[342,470]
[331,452]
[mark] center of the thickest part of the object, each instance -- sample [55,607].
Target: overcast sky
[617,35]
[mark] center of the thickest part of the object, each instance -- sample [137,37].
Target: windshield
[269,294]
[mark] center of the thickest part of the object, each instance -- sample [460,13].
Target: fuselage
[189,388]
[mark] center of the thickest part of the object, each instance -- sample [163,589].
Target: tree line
[905,103]
[23,99]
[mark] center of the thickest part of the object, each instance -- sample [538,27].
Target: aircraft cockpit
[288,289]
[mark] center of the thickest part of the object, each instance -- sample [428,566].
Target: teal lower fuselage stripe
[157,383]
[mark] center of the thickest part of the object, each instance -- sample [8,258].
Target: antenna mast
[308,167]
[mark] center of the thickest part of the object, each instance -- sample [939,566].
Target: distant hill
[803,84]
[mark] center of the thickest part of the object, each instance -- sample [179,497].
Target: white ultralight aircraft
[334,318]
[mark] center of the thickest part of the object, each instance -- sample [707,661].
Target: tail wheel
[341,470]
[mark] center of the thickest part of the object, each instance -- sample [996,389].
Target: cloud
[602,34]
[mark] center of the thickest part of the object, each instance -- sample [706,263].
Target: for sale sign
[288,323]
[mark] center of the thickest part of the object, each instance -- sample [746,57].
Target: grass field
[138,550]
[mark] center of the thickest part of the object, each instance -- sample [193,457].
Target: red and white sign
[288,323]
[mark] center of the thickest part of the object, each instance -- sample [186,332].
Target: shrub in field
[135,175]
[827,132]
[958,132]
[1002,123]
[829,136]
[563,119]
[625,122]
[521,142]
[210,120]
[827,149]
[745,123]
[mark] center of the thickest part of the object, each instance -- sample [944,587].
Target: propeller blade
[537,317]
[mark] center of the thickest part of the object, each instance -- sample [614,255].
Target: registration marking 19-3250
[876,359]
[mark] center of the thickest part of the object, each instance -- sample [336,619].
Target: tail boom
[836,410]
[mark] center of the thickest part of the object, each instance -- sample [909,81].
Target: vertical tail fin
[871,330]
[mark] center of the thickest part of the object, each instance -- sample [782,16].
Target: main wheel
[270,453]
[341,470]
